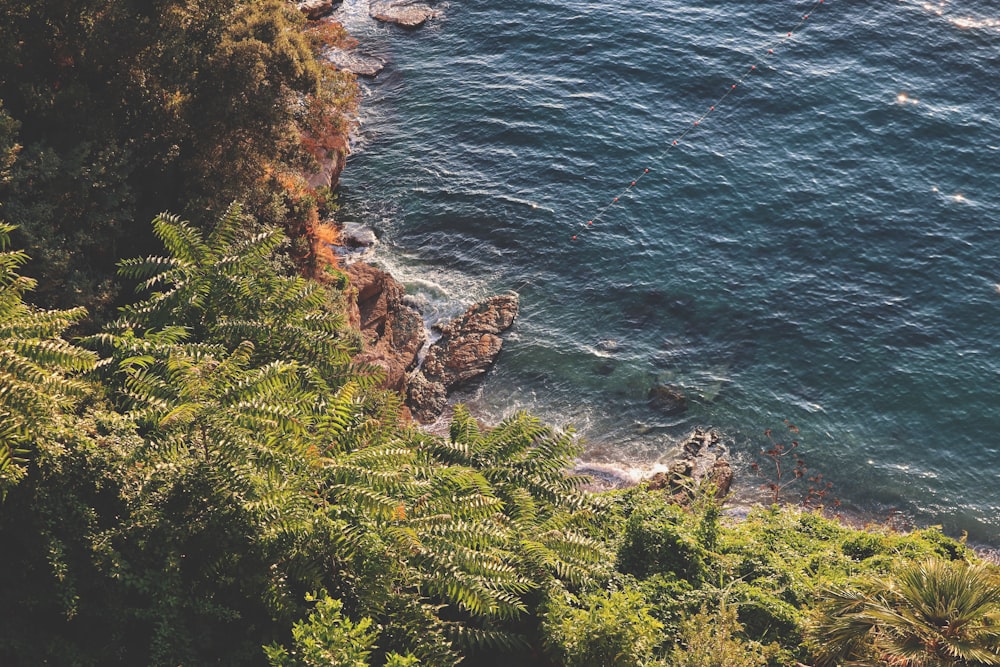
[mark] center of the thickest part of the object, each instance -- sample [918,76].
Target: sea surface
[822,248]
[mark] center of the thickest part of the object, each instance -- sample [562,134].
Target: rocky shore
[405,13]
[422,370]
[395,339]
[425,367]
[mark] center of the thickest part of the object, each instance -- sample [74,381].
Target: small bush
[862,546]
[767,617]
[710,639]
[613,630]
[656,544]
[327,637]
[670,601]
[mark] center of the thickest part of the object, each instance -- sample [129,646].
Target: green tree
[526,464]
[614,630]
[932,613]
[122,106]
[225,288]
[38,369]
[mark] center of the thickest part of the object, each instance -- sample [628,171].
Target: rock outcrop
[351,61]
[356,235]
[393,331]
[394,334]
[425,399]
[405,13]
[704,460]
[467,348]
[315,9]
[329,169]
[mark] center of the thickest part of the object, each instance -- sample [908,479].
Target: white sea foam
[972,23]
[963,22]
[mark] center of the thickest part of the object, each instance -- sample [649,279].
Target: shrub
[709,639]
[654,543]
[766,616]
[327,638]
[614,630]
[862,546]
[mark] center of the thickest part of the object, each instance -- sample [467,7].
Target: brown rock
[703,460]
[467,348]
[315,9]
[349,60]
[393,332]
[470,344]
[425,399]
[721,475]
[462,358]
[328,170]
[404,13]
[658,482]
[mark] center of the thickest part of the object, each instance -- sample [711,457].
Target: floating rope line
[694,126]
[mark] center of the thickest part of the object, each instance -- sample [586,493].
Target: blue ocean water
[823,248]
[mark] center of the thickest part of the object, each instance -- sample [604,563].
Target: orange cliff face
[322,133]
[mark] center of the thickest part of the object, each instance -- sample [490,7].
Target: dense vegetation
[112,111]
[209,478]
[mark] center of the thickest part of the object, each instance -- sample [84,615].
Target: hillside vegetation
[204,475]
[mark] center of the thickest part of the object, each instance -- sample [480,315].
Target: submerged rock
[668,399]
[405,13]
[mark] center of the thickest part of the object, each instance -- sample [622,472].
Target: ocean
[822,249]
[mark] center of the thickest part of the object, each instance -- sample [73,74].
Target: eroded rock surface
[468,346]
[704,460]
[425,399]
[315,9]
[404,13]
[351,61]
[329,170]
[393,332]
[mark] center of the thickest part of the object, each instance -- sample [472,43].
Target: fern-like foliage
[241,376]
[526,463]
[471,528]
[39,370]
[226,288]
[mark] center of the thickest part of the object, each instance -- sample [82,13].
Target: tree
[526,464]
[933,613]
[38,368]
[123,106]
[224,287]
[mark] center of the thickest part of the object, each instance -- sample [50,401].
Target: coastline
[856,518]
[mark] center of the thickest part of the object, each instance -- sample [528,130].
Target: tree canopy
[117,109]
